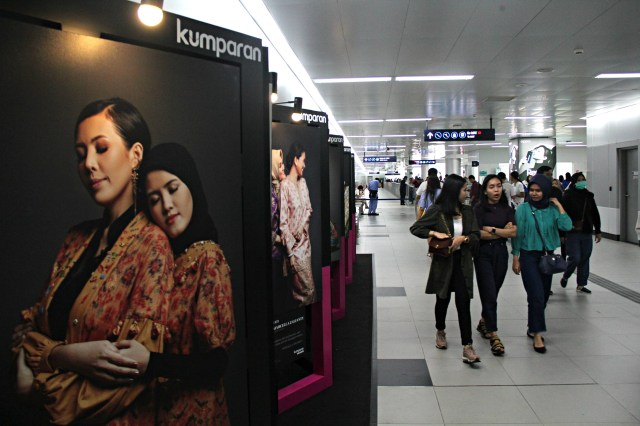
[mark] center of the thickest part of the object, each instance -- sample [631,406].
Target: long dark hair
[484,200]
[294,152]
[448,200]
[433,184]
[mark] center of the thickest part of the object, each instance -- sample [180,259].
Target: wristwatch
[493,230]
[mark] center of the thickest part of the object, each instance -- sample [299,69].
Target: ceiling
[503,43]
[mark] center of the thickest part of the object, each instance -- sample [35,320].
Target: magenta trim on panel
[322,376]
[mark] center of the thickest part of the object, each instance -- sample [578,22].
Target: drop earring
[134,182]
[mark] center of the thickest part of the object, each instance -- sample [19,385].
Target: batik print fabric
[200,319]
[295,217]
[127,297]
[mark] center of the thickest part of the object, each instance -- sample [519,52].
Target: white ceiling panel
[503,43]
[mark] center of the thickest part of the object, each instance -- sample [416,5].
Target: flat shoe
[541,349]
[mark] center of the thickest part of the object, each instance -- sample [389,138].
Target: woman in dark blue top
[496,220]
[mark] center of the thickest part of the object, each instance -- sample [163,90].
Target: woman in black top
[496,220]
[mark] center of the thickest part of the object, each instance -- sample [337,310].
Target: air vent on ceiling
[499,98]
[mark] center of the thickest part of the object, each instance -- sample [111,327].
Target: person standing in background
[581,207]
[475,190]
[403,190]
[506,187]
[517,191]
[373,188]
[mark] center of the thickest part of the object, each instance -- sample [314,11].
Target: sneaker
[469,355]
[441,339]
[583,289]
[563,282]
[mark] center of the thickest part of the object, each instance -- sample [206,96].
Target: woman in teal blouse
[528,248]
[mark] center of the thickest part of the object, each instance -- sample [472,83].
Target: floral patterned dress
[295,217]
[126,298]
[201,319]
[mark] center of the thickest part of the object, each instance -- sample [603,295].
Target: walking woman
[581,207]
[541,216]
[110,281]
[449,218]
[429,196]
[496,220]
[201,318]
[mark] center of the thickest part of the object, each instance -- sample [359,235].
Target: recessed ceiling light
[499,146]
[351,80]
[364,136]
[434,77]
[359,121]
[396,146]
[544,70]
[527,117]
[575,126]
[408,119]
[620,75]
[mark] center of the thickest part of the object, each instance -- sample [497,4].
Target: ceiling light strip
[434,77]
[360,121]
[619,75]
[351,80]
[527,117]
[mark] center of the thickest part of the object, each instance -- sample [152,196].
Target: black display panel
[336,193]
[419,162]
[48,75]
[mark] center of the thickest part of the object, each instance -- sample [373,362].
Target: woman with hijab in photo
[547,215]
[201,319]
[450,218]
[110,281]
[496,220]
[295,218]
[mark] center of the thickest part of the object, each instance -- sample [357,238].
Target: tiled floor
[589,375]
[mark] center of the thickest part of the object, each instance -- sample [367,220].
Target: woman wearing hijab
[201,317]
[110,281]
[581,207]
[449,218]
[546,214]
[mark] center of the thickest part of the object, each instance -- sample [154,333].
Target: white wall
[606,133]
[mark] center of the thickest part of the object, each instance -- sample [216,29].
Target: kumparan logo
[314,118]
[216,44]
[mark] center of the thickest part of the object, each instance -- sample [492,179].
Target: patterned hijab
[175,159]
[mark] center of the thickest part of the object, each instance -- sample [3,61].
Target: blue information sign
[380,159]
[460,135]
[418,162]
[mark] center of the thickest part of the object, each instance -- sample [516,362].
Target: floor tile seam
[619,403]
[623,343]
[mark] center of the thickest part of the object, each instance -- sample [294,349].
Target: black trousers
[463,302]
[491,265]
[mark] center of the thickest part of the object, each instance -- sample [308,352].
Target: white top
[457,228]
[518,187]
[421,188]
[507,188]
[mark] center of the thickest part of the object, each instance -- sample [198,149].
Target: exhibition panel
[302,292]
[200,86]
[336,206]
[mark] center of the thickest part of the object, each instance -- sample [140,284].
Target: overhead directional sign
[418,162]
[380,159]
[459,135]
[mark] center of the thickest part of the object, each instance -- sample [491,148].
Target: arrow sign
[429,135]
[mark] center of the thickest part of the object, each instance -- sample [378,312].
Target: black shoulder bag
[550,263]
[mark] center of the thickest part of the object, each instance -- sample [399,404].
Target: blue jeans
[491,264]
[579,248]
[537,286]
[373,201]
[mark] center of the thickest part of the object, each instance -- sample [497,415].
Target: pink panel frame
[349,256]
[338,299]
[322,376]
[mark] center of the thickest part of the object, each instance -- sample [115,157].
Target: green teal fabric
[550,221]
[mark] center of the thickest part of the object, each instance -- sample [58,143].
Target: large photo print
[122,164]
